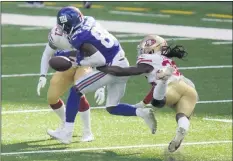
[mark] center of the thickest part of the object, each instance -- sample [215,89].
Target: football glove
[41,84]
[100,95]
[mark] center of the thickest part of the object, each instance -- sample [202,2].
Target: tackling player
[169,88]
[61,81]
[103,48]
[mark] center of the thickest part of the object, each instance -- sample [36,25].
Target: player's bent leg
[184,109]
[65,134]
[58,85]
[181,131]
[84,107]
[85,84]
[115,93]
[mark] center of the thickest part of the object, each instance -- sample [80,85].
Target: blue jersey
[92,33]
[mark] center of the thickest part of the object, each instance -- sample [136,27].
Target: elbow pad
[158,103]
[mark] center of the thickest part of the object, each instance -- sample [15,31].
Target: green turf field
[118,138]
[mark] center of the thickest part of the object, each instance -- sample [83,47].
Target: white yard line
[219,120]
[222,42]
[117,147]
[34,28]
[102,107]
[127,27]
[216,20]
[129,35]
[206,67]
[140,14]
[121,41]
[23,45]
[44,7]
[181,68]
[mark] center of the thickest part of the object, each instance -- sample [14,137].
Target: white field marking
[127,27]
[23,45]
[140,14]
[34,28]
[219,120]
[116,147]
[222,42]
[216,20]
[129,35]
[42,7]
[121,41]
[180,68]
[102,107]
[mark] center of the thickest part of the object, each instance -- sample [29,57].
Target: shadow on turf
[80,156]
[100,155]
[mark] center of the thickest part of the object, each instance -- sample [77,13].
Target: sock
[59,109]
[69,126]
[72,105]
[123,110]
[86,121]
[184,123]
[84,105]
[160,90]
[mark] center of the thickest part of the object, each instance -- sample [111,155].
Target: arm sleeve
[44,65]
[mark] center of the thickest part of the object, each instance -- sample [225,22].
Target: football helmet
[151,44]
[69,18]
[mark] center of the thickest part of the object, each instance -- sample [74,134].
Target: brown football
[60,63]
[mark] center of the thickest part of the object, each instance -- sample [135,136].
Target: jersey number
[101,34]
[172,64]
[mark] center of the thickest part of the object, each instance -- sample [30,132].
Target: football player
[103,48]
[61,81]
[169,86]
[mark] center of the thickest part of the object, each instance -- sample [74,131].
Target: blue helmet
[69,18]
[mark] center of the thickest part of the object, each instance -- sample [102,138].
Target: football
[60,63]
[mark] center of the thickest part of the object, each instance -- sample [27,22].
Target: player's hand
[41,84]
[100,95]
[141,104]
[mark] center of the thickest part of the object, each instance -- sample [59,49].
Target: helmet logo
[63,19]
[150,42]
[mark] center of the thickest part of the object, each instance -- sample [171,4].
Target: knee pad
[158,103]
[109,109]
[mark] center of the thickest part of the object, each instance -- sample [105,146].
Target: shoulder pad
[58,39]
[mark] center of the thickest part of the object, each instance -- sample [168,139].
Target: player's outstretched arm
[129,71]
[94,59]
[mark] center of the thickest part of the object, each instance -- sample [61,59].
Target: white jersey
[158,62]
[57,40]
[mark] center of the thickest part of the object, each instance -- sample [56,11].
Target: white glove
[41,84]
[141,104]
[100,95]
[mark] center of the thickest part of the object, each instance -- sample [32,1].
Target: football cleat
[61,135]
[57,130]
[87,137]
[176,142]
[149,118]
